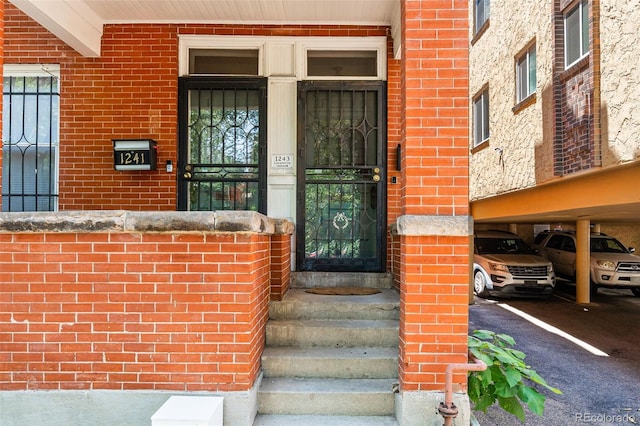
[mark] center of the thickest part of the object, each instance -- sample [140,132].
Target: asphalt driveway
[598,390]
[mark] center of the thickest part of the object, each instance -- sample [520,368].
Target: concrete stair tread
[298,304]
[352,279]
[337,362]
[321,396]
[310,420]
[334,323]
[324,352]
[332,333]
[300,295]
[325,385]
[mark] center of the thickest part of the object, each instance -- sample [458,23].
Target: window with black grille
[30,132]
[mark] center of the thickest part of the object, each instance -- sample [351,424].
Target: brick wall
[179,310]
[130,91]
[281,260]
[2,72]
[434,260]
[394,120]
[575,147]
[434,271]
[574,99]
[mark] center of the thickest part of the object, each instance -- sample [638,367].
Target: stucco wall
[620,81]
[527,155]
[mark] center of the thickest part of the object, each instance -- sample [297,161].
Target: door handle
[187,175]
[376,174]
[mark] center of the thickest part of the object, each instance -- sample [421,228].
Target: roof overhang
[79,23]
[607,195]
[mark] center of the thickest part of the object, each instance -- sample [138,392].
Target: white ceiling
[79,22]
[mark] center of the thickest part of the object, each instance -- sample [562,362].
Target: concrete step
[332,333]
[335,397]
[291,420]
[298,304]
[331,360]
[333,279]
[347,363]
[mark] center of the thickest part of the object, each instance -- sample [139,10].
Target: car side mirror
[632,250]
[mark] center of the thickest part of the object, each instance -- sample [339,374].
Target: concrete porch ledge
[417,225]
[127,221]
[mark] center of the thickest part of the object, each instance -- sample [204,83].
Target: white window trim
[32,70]
[579,6]
[379,44]
[301,46]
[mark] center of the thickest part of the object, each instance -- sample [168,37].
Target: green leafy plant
[507,378]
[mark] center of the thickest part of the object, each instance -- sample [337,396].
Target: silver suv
[504,265]
[611,264]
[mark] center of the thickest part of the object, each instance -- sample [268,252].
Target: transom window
[526,74]
[30,138]
[223,61]
[481,117]
[576,33]
[340,63]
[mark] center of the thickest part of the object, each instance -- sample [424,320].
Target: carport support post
[583,280]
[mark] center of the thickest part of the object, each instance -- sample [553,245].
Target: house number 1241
[132,157]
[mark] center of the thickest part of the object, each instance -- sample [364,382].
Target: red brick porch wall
[123,310]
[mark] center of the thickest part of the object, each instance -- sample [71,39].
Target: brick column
[281,258]
[1,73]
[434,229]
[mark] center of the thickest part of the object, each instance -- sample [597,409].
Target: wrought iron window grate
[31,107]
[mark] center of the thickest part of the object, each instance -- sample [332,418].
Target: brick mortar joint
[143,222]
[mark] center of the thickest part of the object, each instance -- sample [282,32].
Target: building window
[341,63]
[576,33]
[480,14]
[224,61]
[526,74]
[30,137]
[481,117]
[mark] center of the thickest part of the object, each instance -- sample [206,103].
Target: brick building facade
[570,135]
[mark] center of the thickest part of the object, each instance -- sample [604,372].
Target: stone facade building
[558,146]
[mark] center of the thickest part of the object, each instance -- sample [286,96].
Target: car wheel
[593,287]
[480,285]
[636,291]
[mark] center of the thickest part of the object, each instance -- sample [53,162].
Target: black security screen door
[341,184]
[222,149]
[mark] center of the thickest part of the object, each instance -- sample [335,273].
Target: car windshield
[607,245]
[502,246]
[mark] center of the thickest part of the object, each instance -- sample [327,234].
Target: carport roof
[79,23]
[603,195]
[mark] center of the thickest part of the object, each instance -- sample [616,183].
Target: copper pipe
[448,410]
